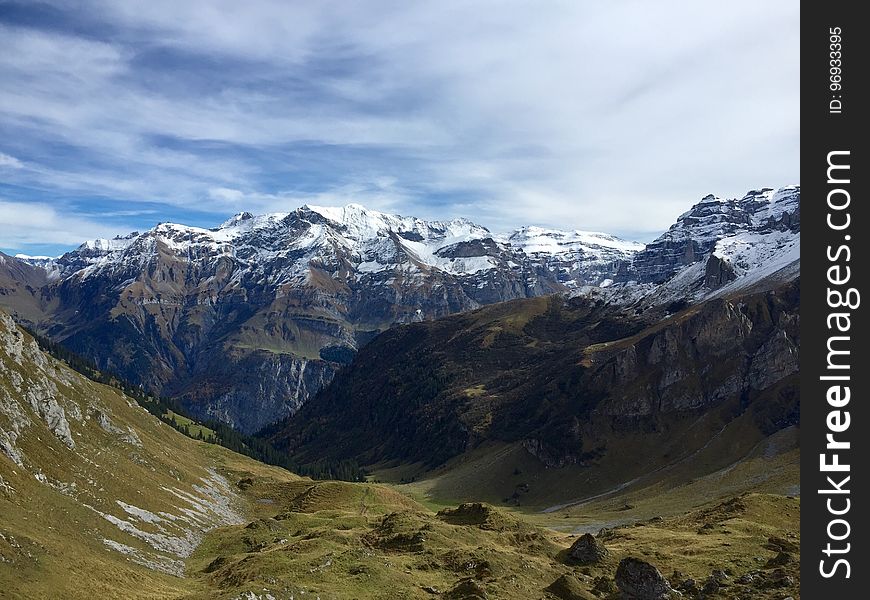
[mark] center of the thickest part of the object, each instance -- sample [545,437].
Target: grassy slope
[336,540]
[52,535]
[195,429]
[507,474]
[329,539]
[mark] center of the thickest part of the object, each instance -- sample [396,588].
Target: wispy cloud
[607,116]
[25,224]
[9,162]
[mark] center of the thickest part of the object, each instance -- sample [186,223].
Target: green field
[189,426]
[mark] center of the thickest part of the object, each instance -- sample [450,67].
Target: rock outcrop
[722,349]
[699,231]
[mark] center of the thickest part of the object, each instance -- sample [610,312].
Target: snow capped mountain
[363,241]
[361,223]
[536,240]
[356,242]
[48,263]
[715,248]
[764,218]
[246,321]
[34,259]
[576,257]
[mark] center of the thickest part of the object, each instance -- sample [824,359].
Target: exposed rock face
[575,258]
[39,392]
[721,350]
[545,453]
[718,272]
[248,389]
[587,550]
[698,232]
[639,580]
[44,403]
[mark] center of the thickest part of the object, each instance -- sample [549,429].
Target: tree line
[253,446]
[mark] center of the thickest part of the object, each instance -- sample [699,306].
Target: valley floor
[337,540]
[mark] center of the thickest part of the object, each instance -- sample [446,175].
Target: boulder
[587,550]
[639,580]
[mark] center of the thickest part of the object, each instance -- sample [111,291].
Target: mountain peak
[236,219]
[359,222]
[734,228]
[534,240]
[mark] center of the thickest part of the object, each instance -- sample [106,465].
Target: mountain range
[245,322]
[552,384]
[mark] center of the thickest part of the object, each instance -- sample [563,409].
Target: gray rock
[44,403]
[7,446]
[748,577]
[639,580]
[107,425]
[587,550]
[718,272]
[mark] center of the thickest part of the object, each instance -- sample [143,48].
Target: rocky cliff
[763,217]
[571,380]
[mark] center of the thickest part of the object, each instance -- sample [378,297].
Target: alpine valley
[538,414]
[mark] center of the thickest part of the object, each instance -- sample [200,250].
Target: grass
[342,540]
[193,429]
[339,540]
[335,540]
[51,533]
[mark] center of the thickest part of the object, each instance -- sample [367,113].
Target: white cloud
[226,195]
[10,162]
[25,223]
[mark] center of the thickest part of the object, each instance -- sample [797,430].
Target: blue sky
[613,116]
